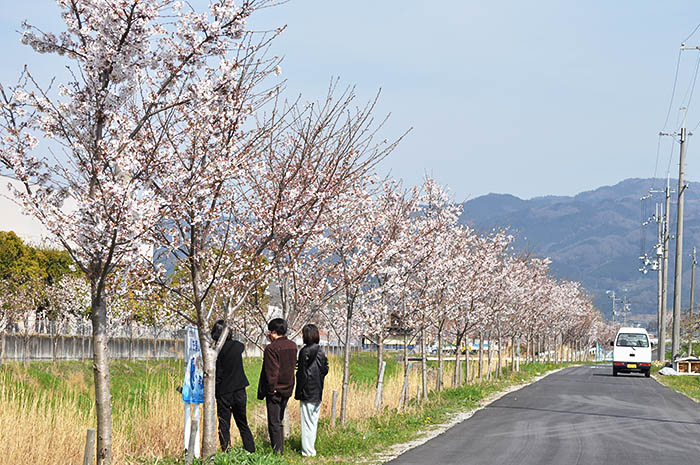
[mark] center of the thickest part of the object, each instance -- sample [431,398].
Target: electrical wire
[673,90]
[691,34]
[668,113]
[691,87]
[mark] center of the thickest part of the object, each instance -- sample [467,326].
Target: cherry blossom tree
[133,63]
[354,249]
[255,195]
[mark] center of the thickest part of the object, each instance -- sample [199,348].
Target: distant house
[395,336]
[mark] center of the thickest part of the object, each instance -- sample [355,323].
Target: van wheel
[614,371]
[648,373]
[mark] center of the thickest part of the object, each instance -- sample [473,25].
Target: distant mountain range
[596,237]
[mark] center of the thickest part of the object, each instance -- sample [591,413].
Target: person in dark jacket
[231,382]
[277,379]
[312,368]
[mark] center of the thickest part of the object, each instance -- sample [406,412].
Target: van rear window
[632,340]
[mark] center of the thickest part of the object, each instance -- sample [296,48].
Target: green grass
[129,381]
[688,385]
[363,367]
[358,441]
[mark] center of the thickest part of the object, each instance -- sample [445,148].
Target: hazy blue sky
[528,98]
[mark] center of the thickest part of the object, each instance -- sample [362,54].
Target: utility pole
[664,293]
[612,296]
[613,307]
[660,264]
[659,275]
[678,276]
[691,325]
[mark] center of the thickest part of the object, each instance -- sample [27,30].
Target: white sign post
[192,392]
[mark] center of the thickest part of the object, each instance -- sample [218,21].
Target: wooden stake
[333,408]
[89,447]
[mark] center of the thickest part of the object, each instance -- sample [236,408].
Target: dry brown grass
[51,430]
[50,427]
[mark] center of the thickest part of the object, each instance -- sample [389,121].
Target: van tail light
[644,364]
[620,364]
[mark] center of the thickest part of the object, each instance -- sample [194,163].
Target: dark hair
[310,334]
[217,329]
[278,325]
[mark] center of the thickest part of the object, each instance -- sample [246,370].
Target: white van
[632,352]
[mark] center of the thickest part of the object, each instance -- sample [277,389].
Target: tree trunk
[467,344]
[406,367]
[490,355]
[346,364]
[209,434]
[103,406]
[54,343]
[481,355]
[500,355]
[423,365]
[457,375]
[380,353]
[380,372]
[438,383]
[403,400]
[2,348]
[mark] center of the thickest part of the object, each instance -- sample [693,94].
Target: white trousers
[309,413]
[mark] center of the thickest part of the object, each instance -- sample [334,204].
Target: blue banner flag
[193,387]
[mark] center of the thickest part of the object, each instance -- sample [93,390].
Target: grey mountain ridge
[594,237]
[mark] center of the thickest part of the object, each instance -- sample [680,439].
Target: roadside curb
[456,418]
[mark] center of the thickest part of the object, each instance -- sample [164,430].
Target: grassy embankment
[46,409]
[688,385]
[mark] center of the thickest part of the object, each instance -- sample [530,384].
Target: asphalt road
[579,415]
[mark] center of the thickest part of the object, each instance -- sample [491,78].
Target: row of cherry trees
[172,170]
[399,263]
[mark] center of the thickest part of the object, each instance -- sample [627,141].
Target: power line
[673,90]
[691,34]
[691,86]
[668,113]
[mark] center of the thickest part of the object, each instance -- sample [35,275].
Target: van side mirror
[611,343]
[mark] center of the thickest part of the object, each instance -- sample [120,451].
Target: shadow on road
[658,420]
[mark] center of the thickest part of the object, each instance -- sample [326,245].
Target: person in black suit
[230,390]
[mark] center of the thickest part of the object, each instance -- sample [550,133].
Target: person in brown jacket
[276,383]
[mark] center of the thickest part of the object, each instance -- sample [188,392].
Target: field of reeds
[46,409]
